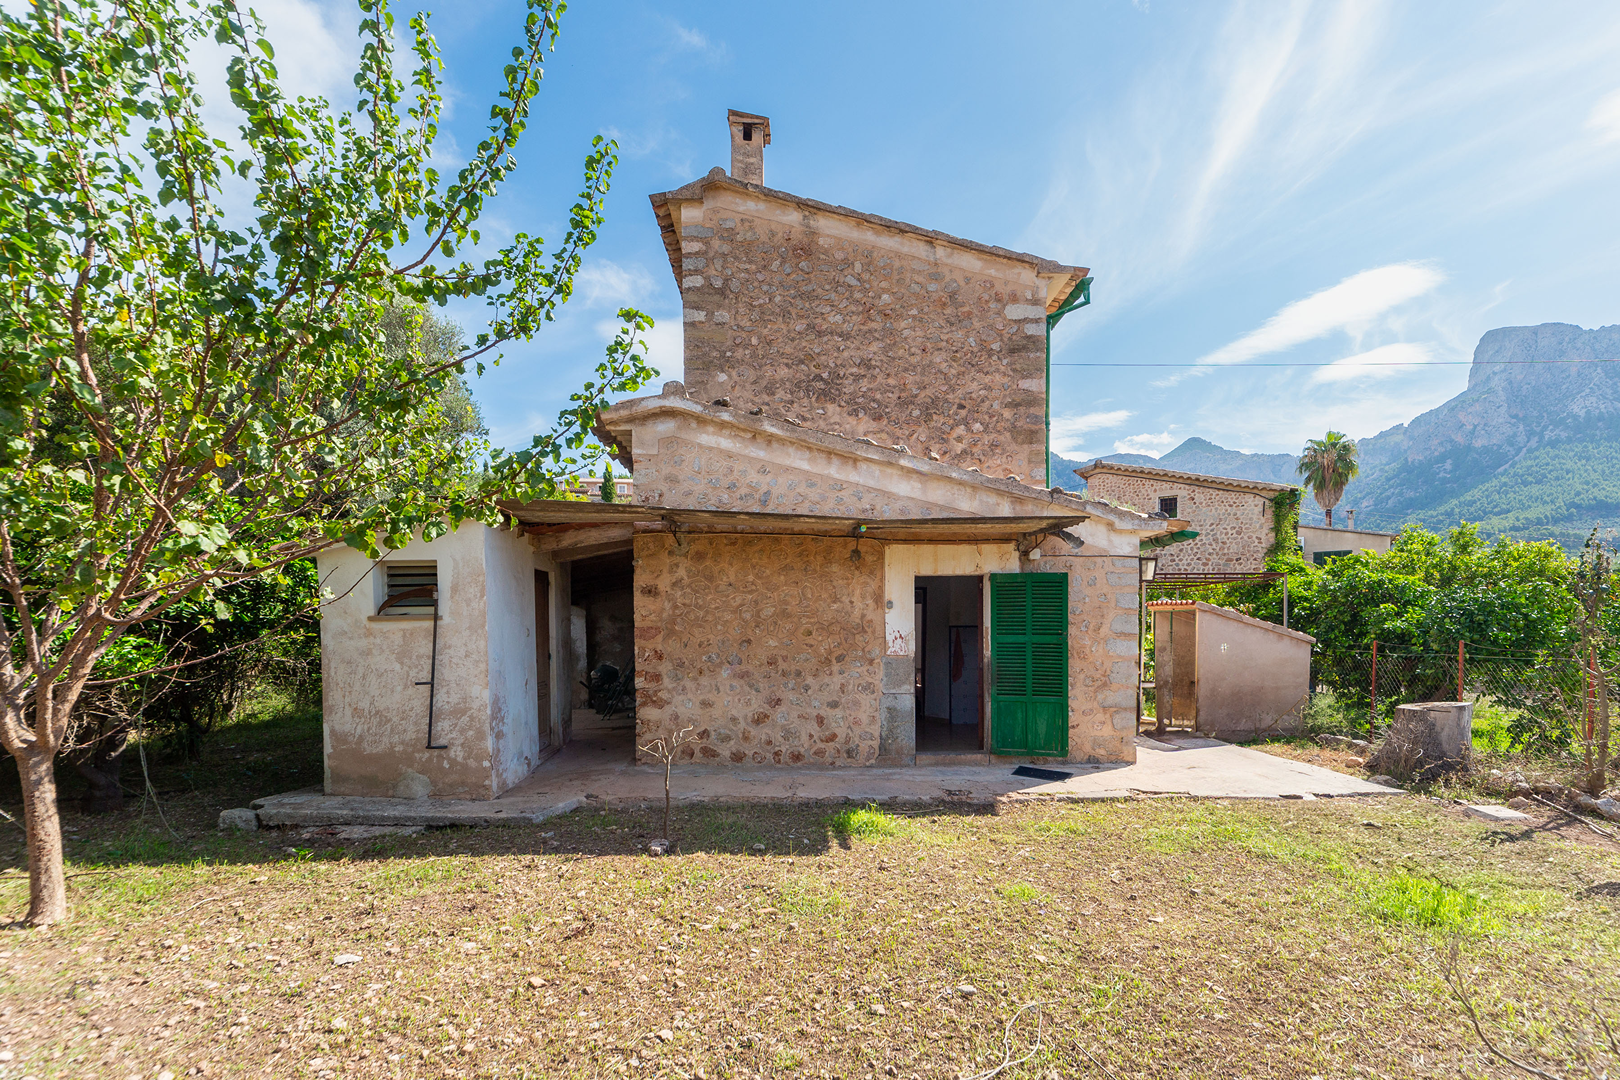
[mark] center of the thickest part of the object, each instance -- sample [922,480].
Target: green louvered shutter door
[1029,662]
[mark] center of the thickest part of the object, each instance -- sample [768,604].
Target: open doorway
[542,656]
[950,665]
[602,626]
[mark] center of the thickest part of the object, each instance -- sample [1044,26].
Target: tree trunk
[47,887]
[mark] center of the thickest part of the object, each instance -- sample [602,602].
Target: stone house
[1234,519]
[857,324]
[840,549]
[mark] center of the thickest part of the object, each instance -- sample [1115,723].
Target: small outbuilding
[1226,675]
[1319,543]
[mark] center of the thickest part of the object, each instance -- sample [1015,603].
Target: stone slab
[306,810]
[1491,812]
[1201,768]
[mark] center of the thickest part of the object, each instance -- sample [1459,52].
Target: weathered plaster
[486,709]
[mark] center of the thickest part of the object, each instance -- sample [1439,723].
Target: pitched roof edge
[717,175]
[620,413]
[1229,613]
[1204,479]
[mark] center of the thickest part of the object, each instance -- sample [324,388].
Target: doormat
[1041,774]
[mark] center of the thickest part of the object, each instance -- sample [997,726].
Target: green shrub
[1425,902]
[867,823]
[1328,714]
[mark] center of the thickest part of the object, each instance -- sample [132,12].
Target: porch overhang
[550,516]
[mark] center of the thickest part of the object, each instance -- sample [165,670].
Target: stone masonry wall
[684,473]
[862,338]
[1103,641]
[769,647]
[1234,527]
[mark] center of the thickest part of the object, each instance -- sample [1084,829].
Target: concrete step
[950,758]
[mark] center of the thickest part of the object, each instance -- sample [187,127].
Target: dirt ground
[1151,938]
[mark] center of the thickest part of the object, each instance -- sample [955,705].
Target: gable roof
[718,177]
[1148,472]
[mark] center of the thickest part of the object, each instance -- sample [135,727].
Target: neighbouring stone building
[840,551]
[1235,519]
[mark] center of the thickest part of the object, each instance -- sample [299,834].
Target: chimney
[1351,514]
[750,135]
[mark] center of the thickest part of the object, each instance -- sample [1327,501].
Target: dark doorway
[542,655]
[950,662]
[602,608]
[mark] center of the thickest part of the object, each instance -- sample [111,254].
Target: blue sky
[1251,183]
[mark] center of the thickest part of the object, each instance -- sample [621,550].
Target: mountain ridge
[1531,447]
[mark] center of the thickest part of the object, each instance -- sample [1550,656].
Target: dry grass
[1165,938]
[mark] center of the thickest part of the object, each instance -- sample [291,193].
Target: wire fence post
[1372,712]
[1589,707]
[1459,669]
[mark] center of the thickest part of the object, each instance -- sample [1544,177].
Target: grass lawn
[1160,938]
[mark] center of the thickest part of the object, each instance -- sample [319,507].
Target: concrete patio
[597,770]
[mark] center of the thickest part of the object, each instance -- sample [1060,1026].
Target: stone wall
[1234,527]
[769,647]
[1103,641]
[865,331]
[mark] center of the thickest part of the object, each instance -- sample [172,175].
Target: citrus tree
[192,398]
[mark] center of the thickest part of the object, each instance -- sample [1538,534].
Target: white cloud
[1378,363]
[1151,445]
[692,39]
[602,282]
[1067,430]
[666,351]
[666,345]
[1351,305]
[1605,118]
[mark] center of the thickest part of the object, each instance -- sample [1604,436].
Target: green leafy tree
[189,400]
[1328,465]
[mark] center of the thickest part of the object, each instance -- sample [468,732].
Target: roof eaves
[1204,479]
[616,418]
[1226,612]
[717,175]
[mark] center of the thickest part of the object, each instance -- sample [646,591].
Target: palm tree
[1328,465]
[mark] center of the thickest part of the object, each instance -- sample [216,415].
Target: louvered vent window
[1168,506]
[411,589]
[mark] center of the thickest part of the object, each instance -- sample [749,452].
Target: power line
[1338,363]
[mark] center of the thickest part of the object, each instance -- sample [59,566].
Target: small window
[1167,506]
[413,589]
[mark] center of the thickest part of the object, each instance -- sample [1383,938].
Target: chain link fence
[1525,702]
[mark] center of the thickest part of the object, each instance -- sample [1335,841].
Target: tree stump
[1428,738]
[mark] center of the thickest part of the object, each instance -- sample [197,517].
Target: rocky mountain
[1530,448]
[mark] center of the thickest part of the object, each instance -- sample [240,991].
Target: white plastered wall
[486,711]
[904,563]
